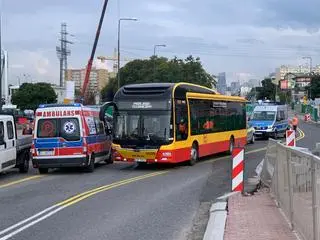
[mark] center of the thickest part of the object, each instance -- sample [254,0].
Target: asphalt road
[119,201]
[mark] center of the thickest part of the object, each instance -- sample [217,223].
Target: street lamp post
[119,28]
[154,59]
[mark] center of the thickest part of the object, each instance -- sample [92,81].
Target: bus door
[181,120]
[107,113]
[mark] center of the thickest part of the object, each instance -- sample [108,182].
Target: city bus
[174,122]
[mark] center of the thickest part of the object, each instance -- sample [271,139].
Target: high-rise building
[254,82]
[285,69]
[235,87]
[98,79]
[222,83]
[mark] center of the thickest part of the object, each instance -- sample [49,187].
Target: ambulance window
[70,129]
[47,128]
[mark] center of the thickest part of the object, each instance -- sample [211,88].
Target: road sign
[237,169]
[290,138]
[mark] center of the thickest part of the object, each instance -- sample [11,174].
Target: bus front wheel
[194,154]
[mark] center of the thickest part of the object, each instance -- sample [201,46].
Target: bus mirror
[108,129]
[107,111]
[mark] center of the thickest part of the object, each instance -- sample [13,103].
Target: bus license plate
[140,160]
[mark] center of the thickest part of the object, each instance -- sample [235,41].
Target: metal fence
[311,109]
[293,174]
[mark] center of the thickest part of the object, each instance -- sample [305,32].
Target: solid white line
[26,220]
[238,159]
[32,223]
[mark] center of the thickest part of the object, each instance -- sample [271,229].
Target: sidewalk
[256,217]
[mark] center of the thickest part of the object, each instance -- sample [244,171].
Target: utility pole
[154,58]
[119,34]
[63,52]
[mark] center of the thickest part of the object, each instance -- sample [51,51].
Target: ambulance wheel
[90,167]
[109,160]
[194,154]
[43,170]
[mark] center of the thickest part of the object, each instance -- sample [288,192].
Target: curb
[219,210]
[217,221]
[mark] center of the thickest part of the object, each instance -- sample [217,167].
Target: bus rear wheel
[194,154]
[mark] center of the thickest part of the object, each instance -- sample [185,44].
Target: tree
[109,90]
[160,69]
[30,96]
[314,88]
[267,91]
[285,97]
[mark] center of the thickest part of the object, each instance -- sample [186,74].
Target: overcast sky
[246,39]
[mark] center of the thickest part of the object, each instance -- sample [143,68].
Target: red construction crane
[89,66]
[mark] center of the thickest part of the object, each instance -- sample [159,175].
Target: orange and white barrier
[307,117]
[290,138]
[237,169]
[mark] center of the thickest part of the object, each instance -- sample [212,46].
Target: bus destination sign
[140,105]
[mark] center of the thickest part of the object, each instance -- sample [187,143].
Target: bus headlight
[269,127]
[166,154]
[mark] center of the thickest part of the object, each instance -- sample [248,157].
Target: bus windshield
[142,127]
[264,115]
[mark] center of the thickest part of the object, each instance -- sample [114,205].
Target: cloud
[17,66]
[160,7]
[249,36]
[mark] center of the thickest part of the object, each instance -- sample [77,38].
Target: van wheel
[24,166]
[253,139]
[43,170]
[275,135]
[194,155]
[90,167]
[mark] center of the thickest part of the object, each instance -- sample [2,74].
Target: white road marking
[32,223]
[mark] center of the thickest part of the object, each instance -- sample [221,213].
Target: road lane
[12,177]
[20,201]
[311,135]
[162,207]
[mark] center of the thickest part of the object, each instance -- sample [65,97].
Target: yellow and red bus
[174,122]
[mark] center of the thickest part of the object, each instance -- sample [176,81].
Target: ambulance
[69,135]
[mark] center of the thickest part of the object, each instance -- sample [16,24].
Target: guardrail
[293,174]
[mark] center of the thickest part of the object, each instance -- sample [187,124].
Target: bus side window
[181,110]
